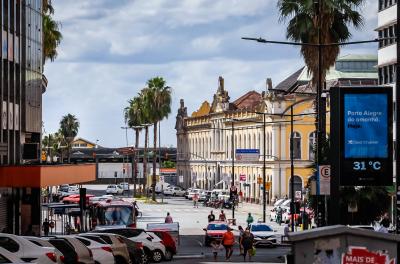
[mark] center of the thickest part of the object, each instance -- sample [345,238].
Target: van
[161,186]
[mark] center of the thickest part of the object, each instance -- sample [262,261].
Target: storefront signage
[361,255]
[365,136]
[242,177]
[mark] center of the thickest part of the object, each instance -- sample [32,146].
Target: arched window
[296,145]
[298,185]
[312,140]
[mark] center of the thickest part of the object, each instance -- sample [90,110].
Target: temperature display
[362,165]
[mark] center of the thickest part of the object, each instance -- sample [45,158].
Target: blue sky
[111,48]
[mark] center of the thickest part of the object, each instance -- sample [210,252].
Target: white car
[26,250]
[193,192]
[119,248]
[152,244]
[174,191]
[85,254]
[278,203]
[264,235]
[101,254]
[114,189]
[44,243]
[124,186]
[8,257]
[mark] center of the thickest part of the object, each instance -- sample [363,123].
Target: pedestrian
[249,220]
[241,231]
[168,219]
[286,230]
[279,215]
[211,217]
[228,240]
[222,216]
[216,246]
[195,200]
[46,227]
[247,242]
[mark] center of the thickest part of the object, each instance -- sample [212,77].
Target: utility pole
[263,173]
[292,207]
[397,115]
[233,168]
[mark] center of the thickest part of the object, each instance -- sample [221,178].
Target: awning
[46,175]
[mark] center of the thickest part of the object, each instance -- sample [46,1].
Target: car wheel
[168,255]
[144,259]
[157,256]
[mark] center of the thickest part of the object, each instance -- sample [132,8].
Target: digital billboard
[363,128]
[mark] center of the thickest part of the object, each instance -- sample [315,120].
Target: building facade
[208,139]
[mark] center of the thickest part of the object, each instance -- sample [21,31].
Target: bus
[113,213]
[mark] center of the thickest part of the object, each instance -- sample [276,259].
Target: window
[298,185]
[312,140]
[296,145]
[9,244]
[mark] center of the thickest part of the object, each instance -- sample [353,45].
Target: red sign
[361,255]
[242,177]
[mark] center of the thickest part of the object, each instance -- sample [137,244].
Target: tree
[335,15]
[51,32]
[69,126]
[134,117]
[157,98]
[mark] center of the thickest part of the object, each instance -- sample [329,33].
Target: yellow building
[204,139]
[83,143]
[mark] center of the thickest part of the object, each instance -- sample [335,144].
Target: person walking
[246,243]
[211,217]
[222,216]
[249,220]
[228,240]
[279,215]
[46,227]
[195,200]
[241,232]
[168,219]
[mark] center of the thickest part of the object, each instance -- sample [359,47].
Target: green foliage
[168,164]
[69,126]
[51,32]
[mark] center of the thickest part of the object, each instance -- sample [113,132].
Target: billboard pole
[397,114]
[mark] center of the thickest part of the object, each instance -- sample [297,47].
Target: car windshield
[217,227]
[118,215]
[257,228]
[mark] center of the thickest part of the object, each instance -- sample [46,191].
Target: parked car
[114,189]
[174,191]
[192,193]
[153,247]
[214,231]
[124,186]
[26,250]
[136,251]
[63,188]
[187,193]
[85,254]
[68,252]
[264,235]
[204,195]
[119,248]
[169,243]
[9,257]
[101,254]
[44,243]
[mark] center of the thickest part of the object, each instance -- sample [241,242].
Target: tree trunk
[154,178]
[135,163]
[146,140]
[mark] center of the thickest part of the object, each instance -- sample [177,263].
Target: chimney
[269,84]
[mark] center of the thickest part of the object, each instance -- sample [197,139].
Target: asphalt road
[193,220]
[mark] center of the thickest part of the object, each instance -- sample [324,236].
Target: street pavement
[192,221]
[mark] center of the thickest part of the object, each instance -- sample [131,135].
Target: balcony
[37,176]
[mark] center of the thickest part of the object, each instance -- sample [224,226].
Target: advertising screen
[365,126]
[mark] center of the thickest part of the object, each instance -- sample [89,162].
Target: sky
[110,48]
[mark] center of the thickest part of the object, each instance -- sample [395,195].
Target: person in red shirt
[222,216]
[228,240]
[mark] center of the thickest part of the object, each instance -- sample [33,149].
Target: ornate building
[204,139]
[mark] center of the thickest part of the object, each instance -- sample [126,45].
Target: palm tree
[134,117]
[51,32]
[69,126]
[157,98]
[335,16]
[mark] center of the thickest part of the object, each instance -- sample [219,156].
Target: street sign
[247,154]
[259,180]
[324,172]
[242,177]
[267,185]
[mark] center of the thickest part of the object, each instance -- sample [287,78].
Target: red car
[214,231]
[74,198]
[169,243]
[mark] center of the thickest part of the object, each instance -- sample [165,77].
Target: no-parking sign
[324,172]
